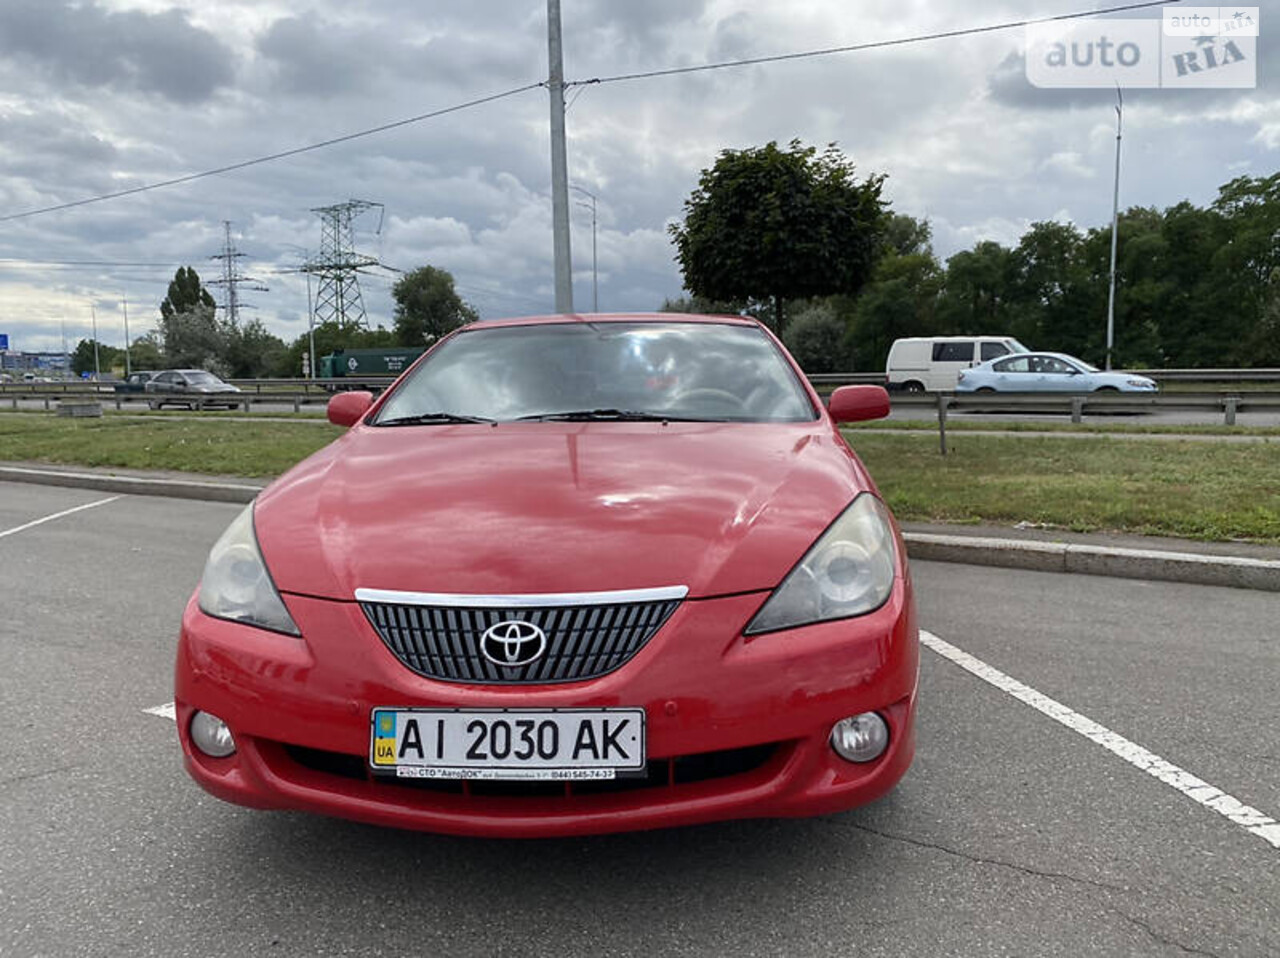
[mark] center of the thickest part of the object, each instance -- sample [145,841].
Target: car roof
[589,318]
[1038,352]
[951,339]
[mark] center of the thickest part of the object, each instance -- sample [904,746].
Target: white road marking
[57,515]
[165,711]
[1250,819]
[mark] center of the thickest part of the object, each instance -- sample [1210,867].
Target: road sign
[4,340]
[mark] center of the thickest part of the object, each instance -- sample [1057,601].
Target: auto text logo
[1190,47]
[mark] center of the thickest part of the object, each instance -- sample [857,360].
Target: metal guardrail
[299,393]
[256,386]
[1159,375]
[822,381]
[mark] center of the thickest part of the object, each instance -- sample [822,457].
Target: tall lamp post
[559,163]
[595,284]
[124,301]
[97,373]
[1115,233]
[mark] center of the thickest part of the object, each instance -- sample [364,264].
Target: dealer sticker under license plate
[528,744]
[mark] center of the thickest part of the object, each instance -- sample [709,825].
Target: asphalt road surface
[1015,832]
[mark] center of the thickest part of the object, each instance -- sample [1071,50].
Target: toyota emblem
[512,643]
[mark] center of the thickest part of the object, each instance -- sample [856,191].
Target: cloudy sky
[98,96]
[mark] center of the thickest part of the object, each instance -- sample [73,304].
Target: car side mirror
[858,403]
[346,409]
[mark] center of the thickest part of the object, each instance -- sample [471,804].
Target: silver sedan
[1047,372]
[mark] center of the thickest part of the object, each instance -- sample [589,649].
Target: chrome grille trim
[672,593]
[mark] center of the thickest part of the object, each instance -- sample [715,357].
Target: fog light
[861,738]
[211,735]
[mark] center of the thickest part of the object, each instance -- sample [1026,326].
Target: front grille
[582,641]
[659,773]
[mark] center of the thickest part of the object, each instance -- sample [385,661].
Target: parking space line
[166,711]
[1250,819]
[57,515]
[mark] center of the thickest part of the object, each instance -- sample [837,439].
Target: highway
[1155,417]
[1020,830]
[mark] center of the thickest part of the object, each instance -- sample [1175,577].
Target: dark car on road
[135,382]
[193,388]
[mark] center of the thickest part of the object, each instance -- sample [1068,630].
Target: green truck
[359,363]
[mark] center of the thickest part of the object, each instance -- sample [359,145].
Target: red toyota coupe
[569,574]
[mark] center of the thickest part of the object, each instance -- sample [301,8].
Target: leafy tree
[108,357]
[1248,269]
[978,290]
[185,293]
[901,300]
[700,306]
[769,225]
[427,306]
[818,339]
[252,352]
[196,340]
[145,353]
[1049,297]
[906,235]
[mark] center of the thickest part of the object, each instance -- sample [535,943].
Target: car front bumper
[736,727]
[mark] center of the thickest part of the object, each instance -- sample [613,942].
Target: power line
[615,78]
[8,262]
[232,167]
[871,45]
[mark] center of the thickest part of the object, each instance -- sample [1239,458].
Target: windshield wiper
[604,415]
[430,419]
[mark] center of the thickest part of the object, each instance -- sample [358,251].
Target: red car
[568,575]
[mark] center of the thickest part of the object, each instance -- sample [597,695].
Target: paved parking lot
[1015,833]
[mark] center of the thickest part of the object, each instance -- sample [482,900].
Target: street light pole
[97,372]
[124,300]
[559,163]
[1115,233]
[595,283]
[311,333]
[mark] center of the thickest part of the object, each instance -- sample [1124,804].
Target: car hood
[555,507]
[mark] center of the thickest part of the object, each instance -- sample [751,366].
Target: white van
[930,363]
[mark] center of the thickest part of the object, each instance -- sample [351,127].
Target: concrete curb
[1235,572]
[134,485]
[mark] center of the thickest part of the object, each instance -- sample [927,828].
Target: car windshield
[603,371]
[1016,347]
[203,379]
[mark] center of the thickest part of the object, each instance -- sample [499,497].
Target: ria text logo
[1138,54]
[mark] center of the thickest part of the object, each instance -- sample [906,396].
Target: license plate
[508,744]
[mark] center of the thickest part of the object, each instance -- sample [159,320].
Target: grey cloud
[315,57]
[315,62]
[160,53]
[50,136]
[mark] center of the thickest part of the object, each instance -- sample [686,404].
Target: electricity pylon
[233,280]
[337,265]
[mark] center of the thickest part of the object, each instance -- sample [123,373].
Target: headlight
[1142,383]
[847,572]
[236,584]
